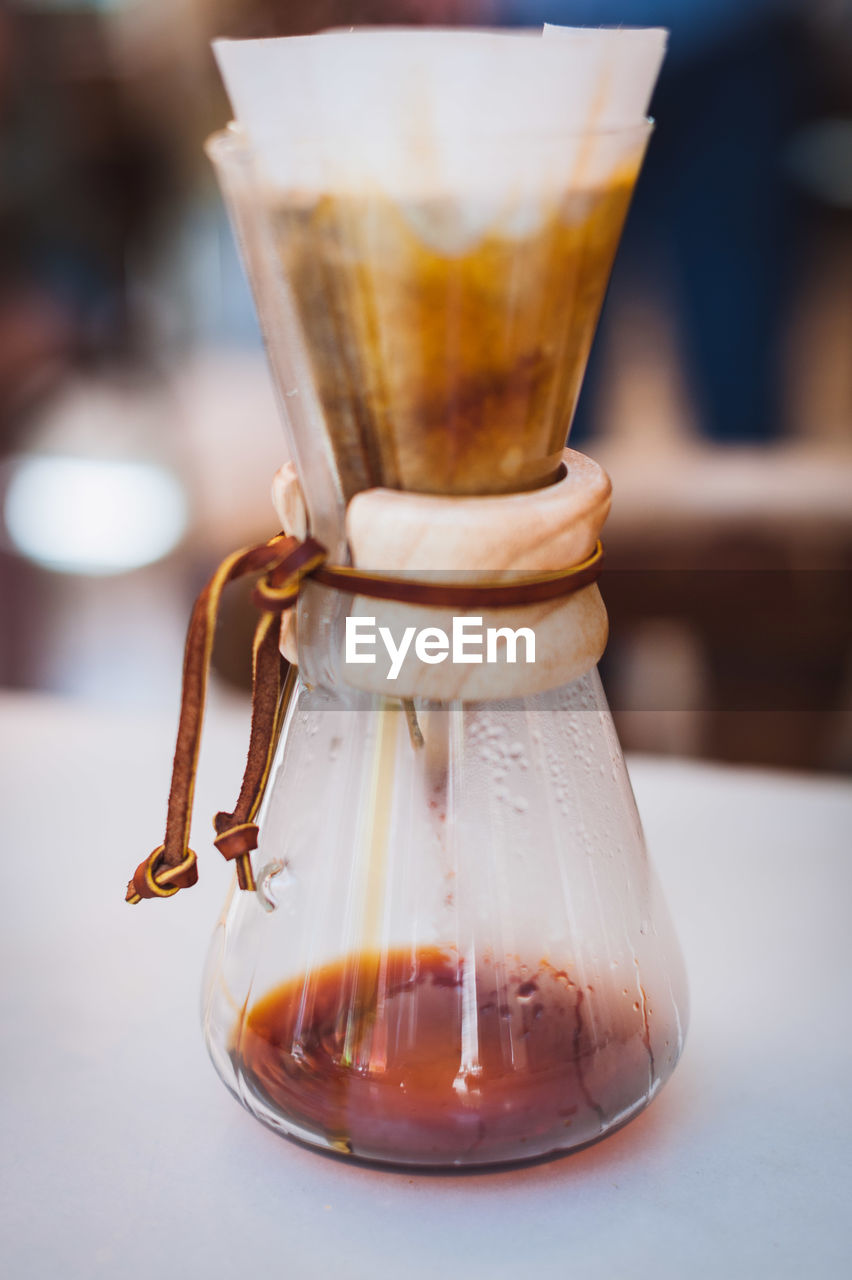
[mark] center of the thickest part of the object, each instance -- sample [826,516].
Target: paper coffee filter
[414,112]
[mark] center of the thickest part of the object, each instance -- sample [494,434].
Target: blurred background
[138,431]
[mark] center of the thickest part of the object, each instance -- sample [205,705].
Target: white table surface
[124,1156]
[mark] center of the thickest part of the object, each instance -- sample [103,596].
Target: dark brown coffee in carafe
[416,1058]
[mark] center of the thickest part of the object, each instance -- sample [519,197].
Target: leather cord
[284,562]
[172,865]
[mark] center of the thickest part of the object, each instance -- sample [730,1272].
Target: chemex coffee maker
[444,945]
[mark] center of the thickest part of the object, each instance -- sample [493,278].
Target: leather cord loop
[528,588]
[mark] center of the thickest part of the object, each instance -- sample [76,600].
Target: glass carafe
[457,953]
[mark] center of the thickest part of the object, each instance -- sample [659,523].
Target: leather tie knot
[152,880]
[236,840]
[278,590]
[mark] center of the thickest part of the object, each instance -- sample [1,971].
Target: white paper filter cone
[412,112]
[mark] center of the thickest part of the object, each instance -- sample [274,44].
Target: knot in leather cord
[235,841]
[152,880]
[278,590]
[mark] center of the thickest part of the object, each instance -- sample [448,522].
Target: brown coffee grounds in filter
[448,372]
